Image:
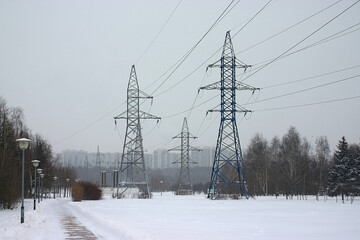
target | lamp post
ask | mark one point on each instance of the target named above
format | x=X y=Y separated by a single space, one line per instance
x=23 y=144
x=162 y=188
x=39 y=170
x=54 y=186
x=42 y=185
x=35 y=164
x=67 y=187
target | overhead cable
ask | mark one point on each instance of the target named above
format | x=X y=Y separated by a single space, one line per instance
x=304 y=90
x=312 y=77
x=204 y=62
x=288 y=28
x=304 y=39
x=308 y=104
x=162 y=28
x=193 y=48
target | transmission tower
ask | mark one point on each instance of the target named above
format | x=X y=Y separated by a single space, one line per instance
x=87 y=167
x=184 y=183
x=132 y=172
x=98 y=164
x=228 y=173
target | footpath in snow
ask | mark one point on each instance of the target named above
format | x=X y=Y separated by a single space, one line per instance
x=187 y=217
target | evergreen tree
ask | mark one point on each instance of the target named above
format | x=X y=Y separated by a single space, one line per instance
x=352 y=176
x=354 y=170
x=337 y=174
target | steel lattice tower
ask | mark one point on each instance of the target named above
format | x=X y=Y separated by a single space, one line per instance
x=132 y=172
x=98 y=164
x=228 y=173
x=184 y=183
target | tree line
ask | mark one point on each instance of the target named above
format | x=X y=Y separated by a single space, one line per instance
x=292 y=167
x=12 y=127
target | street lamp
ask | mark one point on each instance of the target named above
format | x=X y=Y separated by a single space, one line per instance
x=39 y=171
x=42 y=185
x=54 y=186
x=23 y=144
x=162 y=188
x=67 y=187
x=35 y=164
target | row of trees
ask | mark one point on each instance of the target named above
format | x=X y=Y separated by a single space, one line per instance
x=291 y=166
x=12 y=127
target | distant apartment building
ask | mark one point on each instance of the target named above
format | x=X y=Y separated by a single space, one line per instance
x=159 y=159
x=204 y=158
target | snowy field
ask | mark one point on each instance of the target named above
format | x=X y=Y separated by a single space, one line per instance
x=167 y=217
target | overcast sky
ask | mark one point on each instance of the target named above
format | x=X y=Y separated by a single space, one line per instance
x=67 y=64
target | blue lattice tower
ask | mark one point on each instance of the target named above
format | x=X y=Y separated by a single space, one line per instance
x=228 y=173
x=184 y=182
x=132 y=172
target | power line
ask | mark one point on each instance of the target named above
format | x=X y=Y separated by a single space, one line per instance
x=89 y=125
x=307 y=104
x=181 y=61
x=329 y=38
x=304 y=39
x=312 y=77
x=321 y=41
x=204 y=62
x=252 y=18
x=288 y=28
x=162 y=28
x=304 y=90
x=193 y=48
x=263 y=100
x=198 y=105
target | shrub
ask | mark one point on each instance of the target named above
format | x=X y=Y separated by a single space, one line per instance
x=91 y=191
x=77 y=192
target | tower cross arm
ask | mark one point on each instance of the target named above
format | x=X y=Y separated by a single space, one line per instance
x=178 y=148
x=177 y=136
x=192 y=136
x=144 y=95
x=238 y=86
x=238 y=64
x=194 y=149
x=122 y=115
x=244 y=86
x=212 y=86
x=238 y=108
x=145 y=115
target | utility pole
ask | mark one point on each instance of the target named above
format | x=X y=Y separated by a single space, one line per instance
x=228 y=173
x=132 y=172
x=184 y=183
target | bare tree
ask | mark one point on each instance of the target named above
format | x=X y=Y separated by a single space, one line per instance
x=322 y=156
x=291 y=161
x=257 y=159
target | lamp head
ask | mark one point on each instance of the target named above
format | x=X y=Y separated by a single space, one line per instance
x=42 y=175
x=55 y=178
x=23 y=143
x=39 y=170
x=35 y=163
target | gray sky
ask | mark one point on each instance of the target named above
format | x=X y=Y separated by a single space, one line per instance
x=67 y=64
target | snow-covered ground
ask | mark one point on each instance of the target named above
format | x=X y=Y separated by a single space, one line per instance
x=173 y=217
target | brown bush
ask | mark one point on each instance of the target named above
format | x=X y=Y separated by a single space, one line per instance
x=91 y=191
x=86 y=191
x=77 y=192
